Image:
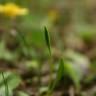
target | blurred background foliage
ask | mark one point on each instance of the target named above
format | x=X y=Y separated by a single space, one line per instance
x=72 y=29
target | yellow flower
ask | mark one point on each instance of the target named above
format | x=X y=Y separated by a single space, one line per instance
x=53 y=15
x=12 y=10
x=1 y=8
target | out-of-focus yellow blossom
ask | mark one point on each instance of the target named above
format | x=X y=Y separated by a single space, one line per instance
x=53 y=15
x=12 y=10
x=1 y=8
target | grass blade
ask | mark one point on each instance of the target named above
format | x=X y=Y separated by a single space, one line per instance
x=47 y=39
x=58 y=77
x=6 y=85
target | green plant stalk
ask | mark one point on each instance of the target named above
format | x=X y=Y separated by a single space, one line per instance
x=47 y=39
x=6 y=85
x=51 y=77
x=51 y=69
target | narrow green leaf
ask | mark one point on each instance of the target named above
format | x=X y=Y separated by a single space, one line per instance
x=59 y=75
x=6 y=85
x=60 y=71
x=47 y=39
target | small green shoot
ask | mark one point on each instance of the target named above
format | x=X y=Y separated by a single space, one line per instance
x=47 y=39
x=59 y=76
x=6 y=85
x=65 y=68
